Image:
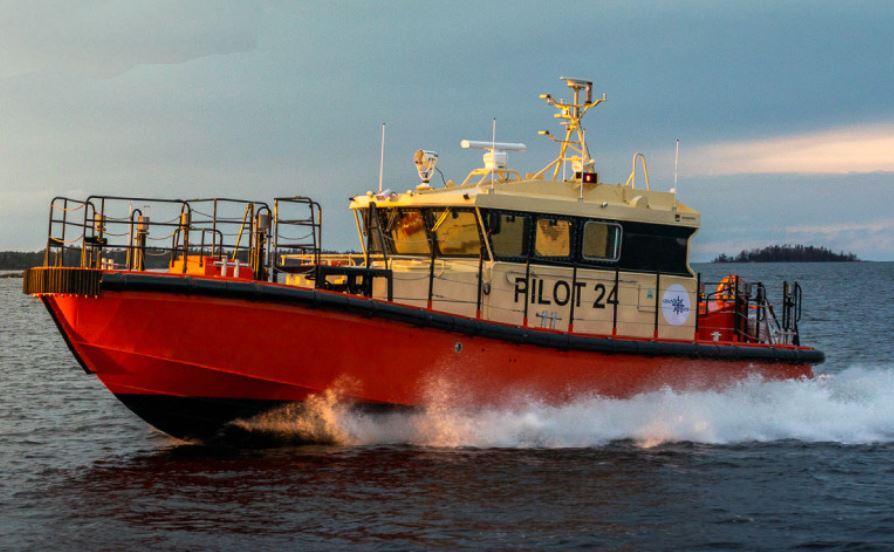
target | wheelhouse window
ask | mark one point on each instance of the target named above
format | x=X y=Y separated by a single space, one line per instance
x=405 y=232
x=552 y=237
x=456 y=232
x=372 y=233
x=655 y=248
x=508 y=234
x=601 y=241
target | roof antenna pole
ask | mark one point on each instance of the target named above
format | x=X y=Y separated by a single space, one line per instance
x=583 y=140
x=382 y=159
x=493 y=149
x=676 y=162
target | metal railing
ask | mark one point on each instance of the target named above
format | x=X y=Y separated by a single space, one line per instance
x=239 y=232
x=754 y=318
x=113 y=233
x=137 y=234
x=296 y=214
x=61 y=243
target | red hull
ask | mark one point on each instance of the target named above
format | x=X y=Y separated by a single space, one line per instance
x=175 y=345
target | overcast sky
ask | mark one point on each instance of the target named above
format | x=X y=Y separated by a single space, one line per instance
x=785 y=110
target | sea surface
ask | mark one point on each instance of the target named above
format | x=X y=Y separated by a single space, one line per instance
x=762 y=465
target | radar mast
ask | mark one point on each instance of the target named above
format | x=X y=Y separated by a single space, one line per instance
x=575 y=135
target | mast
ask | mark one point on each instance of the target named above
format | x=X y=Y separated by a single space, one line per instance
x=382 y=159
x=575 y=138
x=676 y=160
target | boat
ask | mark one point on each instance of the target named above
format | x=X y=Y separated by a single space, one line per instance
x=552 y=284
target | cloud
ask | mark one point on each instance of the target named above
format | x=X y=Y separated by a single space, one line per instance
x=706 y=250
x=843 y=212
x=873 y=238
x=857 y=148
x=841 y=228
x=869 y=241
x=104 y=39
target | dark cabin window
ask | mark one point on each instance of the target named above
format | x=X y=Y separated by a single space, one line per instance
x=552 y=237
x=601 y=241
x=508 y=234
x=634 y=246
x=655 y=248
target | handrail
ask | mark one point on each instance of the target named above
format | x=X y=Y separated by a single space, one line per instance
x=112 y=230
x=247 y=215
x=311 y=242
x=631 y=180
x=92 y=256
x=753 y=312
x=60 y=243
x=246 y=221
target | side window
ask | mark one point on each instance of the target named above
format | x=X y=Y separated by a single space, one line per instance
x=405 y=229
x=375 y=245
x=553 y=237
x=457 y=232
x=654 y=247
x=508 y=236
x=601 y=241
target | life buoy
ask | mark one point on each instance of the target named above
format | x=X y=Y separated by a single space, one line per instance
x=724 y=289
x=724 y=293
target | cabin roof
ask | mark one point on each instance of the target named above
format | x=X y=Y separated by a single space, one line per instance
x=538 y=195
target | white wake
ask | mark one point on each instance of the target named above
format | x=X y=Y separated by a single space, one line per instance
x=854 y=406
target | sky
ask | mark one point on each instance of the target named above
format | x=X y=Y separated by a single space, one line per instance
x=784 y=110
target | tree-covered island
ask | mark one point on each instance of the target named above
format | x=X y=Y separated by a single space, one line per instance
x=788 y=253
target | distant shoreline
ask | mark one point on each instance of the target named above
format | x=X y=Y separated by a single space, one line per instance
x=20 y=260
x=788 y=253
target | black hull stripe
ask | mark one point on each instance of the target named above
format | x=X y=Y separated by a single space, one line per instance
x=254 y=291
x=208 y=419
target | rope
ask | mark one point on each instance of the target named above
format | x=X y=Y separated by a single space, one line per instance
x=169 y=236
x=294 y=238
x=68 y=242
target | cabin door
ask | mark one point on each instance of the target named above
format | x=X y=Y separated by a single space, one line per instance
x=536 y=296
x=550 y=293
x=503 y=293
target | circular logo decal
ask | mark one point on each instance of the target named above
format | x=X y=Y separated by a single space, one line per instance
x=675 y=305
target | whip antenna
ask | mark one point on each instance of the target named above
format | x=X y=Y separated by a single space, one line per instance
x=493 y=147
x=382 y=159
x=676 y=161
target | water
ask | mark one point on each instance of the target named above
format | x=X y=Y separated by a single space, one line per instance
x=761 y=465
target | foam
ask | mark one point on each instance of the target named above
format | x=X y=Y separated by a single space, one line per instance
x=854 y=406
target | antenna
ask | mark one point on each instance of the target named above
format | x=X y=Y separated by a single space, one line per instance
x=493 y=146
x=580 y=191
x=676 y=161
x=382 y=159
